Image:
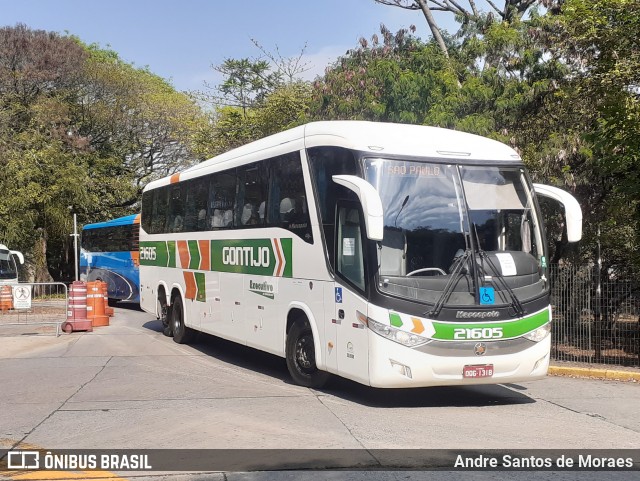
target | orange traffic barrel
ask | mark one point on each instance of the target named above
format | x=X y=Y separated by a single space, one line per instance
x=95 y=304
x=108 y=310
x=6 y=298
x=77 y=309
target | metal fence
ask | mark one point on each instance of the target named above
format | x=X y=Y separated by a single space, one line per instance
x=596 y=315
x=36 y=308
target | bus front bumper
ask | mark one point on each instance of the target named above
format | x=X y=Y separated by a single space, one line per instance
x=392 y=365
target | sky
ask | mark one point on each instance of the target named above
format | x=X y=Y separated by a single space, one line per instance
x=180 y=40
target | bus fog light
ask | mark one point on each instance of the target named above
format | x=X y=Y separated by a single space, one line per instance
x=401 y=368
x=539 y=334
x=542 y=361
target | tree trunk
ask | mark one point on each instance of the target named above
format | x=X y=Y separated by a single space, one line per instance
x=40 y=268
x=435 y=31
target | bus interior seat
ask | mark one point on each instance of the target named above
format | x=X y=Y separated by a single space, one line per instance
x=216 y=219
x=177 y=224
x=202 y=219
x=287 y=209
x=227 y=218
x=248 y=214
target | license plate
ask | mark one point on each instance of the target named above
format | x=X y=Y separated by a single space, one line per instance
x=478 y=371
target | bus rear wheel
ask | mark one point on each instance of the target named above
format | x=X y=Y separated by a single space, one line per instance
x=301 y=356
x=181 y=333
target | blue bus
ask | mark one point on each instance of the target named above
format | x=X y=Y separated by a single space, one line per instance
x=109 y=253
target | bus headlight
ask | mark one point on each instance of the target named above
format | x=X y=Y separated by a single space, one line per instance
x=405 y=338
x=539 y=334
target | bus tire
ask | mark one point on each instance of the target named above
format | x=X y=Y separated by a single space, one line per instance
x=301 y=358
x=164 y=314
x=181 y=333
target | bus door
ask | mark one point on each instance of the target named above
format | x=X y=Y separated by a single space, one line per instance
x=350 y=287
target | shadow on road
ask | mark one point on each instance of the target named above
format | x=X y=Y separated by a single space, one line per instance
x=275 y=367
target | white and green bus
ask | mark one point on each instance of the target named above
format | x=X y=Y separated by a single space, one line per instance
x=392 y=255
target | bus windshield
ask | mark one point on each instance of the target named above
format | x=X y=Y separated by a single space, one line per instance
x=435 y=214
x=7 y=265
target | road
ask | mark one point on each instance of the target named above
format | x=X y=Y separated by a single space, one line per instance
x=127 y=386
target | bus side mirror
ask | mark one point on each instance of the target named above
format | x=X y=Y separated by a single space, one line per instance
x=18 y=255
x=572 y=210
x=370 y=201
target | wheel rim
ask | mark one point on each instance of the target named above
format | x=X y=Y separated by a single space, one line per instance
x=305 y=354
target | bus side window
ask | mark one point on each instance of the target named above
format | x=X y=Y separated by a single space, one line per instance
x=287 y=206
x=160 y=207
x=147 y=210
x=222 y=195
x=350 y=258
x=196 y=205
x=252 y=192
x=175 y=221
x=325 y=162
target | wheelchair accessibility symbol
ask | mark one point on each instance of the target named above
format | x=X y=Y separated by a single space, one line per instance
x=338 y=295
x=487 y=295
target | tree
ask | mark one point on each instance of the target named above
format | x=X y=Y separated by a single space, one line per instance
x=603 y=91
x=256 y=98
x=80 y=128
x=511 y=10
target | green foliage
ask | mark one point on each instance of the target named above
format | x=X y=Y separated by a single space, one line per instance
x=561 y=87
x=255 y=99
x=80 y=131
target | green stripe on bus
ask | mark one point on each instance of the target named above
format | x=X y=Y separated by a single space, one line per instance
x=395 y=319
x=263 y=257
x=158 y=253
x=171 y=248
x=287 y=248
x=201 y=286
x=510 y=329
x=194 y=252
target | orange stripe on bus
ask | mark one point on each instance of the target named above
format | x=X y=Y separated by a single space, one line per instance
x=135 y=257
x=418 y=327
x=190 y=282
x=136 y=219
x=279 y=253
x=205 y=255
x=183 y=252
x=175 y=178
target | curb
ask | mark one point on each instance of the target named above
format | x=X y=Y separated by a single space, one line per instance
x=594 y=373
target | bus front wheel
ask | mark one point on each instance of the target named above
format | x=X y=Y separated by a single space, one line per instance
x=181 y=333
x=301 y=356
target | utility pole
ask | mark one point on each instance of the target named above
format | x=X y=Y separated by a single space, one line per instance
x=75 y=245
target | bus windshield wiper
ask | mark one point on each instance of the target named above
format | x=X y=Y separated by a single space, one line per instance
x=448 y=289
x=515 y=302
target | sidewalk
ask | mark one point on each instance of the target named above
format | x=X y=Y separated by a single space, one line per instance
x=595 y=371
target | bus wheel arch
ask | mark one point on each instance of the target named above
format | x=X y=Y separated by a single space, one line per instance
x=302 y=350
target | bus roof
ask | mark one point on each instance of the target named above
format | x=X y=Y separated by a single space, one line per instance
x=376 y=137
x=126 y=220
